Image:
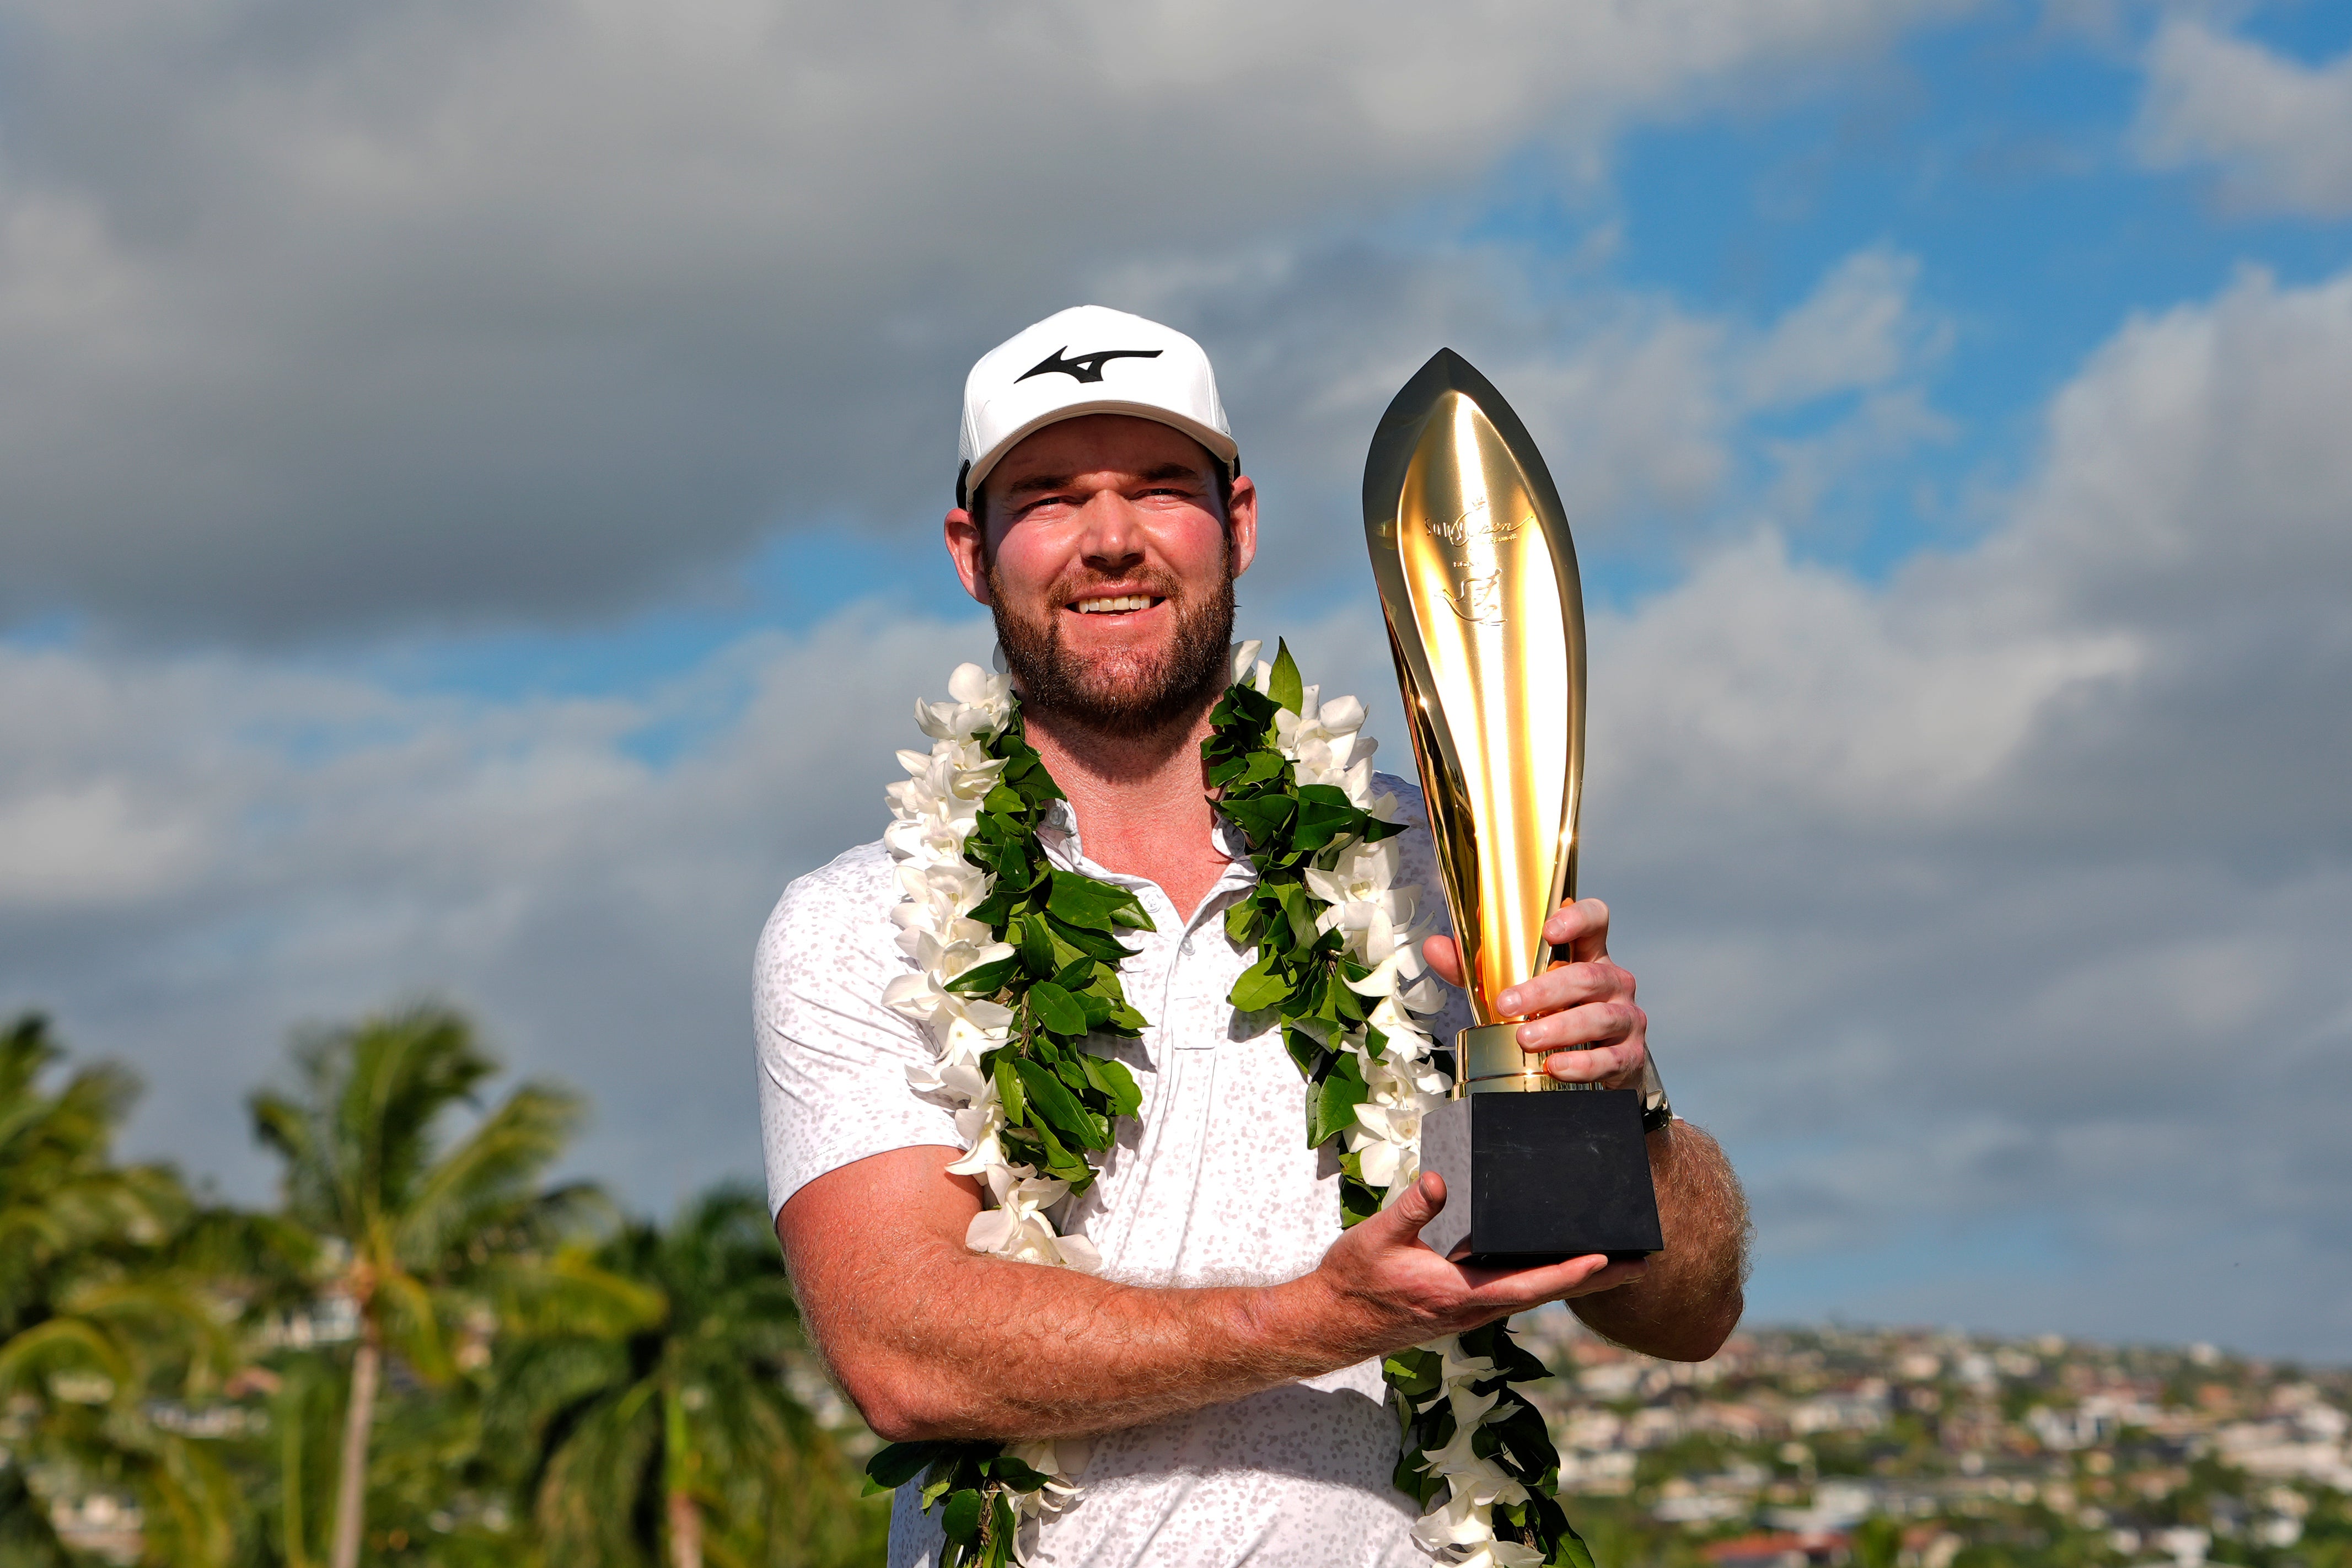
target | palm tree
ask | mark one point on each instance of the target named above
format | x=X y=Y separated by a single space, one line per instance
x=97 y=1319
x=686 y=1442
x=431 y=1237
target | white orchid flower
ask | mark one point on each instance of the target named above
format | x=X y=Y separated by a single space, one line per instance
x=1386 y=1138
x=1406 y=1035
x=1404 y=1079
x=979 y=1122
x=1059 y=1460
x=1386 y=1142
x=957 y=887
x=1380 y=981
x=1360 y=897
x=1387 y=1146
x=923 y=994
x=979 y=702
x=1322 y=740
x=964 y=1031
x=1341 y=716
x=1467 y=1517
x=1398 y=1012
x=934 y=815
x=974 y=1027
x=1078 y=1254
x=1456 y=1365
x=949 y=960
x=937 y=899
x=1245 y=659
x=1018 y=1226
x=989 y=690
x=1408 y=1041
x=1376 y=930
x=1362 y=871
x=1458 y=1456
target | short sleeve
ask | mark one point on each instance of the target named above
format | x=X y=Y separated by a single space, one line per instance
x=833 y=1060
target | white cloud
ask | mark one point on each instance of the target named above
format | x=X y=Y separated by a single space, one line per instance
x=316 y=317
x=1858 y=330
x=1646 y=407
x=90 y=845
x=2002 y=897
x=301 y=847
x=2278 y=131
x=2008 y=898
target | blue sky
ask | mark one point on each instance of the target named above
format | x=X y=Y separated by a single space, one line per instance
x=468 y=526
x=1994 y=150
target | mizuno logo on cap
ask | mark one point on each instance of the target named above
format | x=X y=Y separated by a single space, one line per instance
x=1086 y=367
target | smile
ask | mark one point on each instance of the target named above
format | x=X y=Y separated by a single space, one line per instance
x=1113 y=607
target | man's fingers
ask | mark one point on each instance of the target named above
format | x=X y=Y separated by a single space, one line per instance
x=1440 y=953
x=1517 y=1289
x=1416 y=1208
x=1582 y=927
x=1595 y=1063
x=1568 y=985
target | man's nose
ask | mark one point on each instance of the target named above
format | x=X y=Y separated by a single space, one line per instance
x=1112 y=537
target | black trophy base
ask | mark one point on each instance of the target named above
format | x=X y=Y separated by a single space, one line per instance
x=1535 y=1178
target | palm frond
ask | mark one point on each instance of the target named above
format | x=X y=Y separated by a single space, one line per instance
x=487 y=1179
x=410 y=1320
x=31 y=1362
x=568 y=1295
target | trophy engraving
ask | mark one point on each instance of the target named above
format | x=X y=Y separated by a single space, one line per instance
x=1486 y=618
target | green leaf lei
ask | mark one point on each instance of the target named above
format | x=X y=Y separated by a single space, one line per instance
x=1061 y=1100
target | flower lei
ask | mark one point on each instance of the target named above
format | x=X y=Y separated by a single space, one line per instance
x=1017 y=970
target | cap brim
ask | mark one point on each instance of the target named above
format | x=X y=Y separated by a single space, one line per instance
x=1221 y=446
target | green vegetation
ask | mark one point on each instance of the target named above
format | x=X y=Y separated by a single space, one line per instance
x=425 y=1353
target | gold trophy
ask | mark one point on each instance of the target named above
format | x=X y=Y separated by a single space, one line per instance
x=1486 y=618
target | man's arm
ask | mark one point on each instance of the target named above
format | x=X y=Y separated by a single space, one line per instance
x=1689 y=1302
x=932 y=1340
x=1582 y=1016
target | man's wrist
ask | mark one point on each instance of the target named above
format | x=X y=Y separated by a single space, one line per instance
x=1289 y=1328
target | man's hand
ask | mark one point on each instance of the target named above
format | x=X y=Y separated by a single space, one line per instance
x=1582 y=1018
x=932 y=1340
x=1383 y=1287
x=1581 y=1015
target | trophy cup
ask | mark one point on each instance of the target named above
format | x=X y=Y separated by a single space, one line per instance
x=1486 y=618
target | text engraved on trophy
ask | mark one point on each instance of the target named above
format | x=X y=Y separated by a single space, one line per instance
x=1477 y=523
x=1480 y=600
x=1475 y=539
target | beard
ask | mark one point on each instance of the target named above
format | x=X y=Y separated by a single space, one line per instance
x=1130 y=690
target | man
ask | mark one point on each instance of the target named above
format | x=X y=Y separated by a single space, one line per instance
x=1226 y=1360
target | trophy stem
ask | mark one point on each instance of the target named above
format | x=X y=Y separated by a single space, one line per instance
x=1488 y=1060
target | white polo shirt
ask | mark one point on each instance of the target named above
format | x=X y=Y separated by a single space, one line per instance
x=1212 y=1183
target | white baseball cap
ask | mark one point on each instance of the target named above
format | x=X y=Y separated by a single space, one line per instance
x=1087 y=359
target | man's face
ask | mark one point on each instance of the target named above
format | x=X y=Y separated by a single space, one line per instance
x=1108 y=564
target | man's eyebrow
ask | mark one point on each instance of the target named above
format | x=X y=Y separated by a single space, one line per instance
x=1038 y=484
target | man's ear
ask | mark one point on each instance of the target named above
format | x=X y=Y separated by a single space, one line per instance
x=1241 y=522
x=968 y=548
